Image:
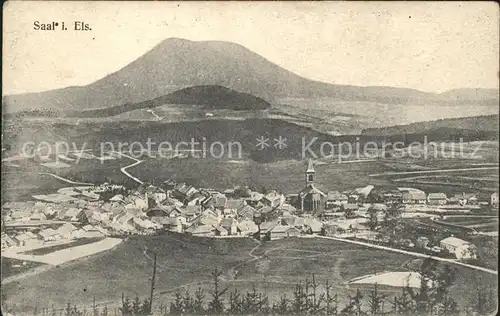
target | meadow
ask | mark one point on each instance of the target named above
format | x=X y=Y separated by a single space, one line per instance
x=186 y=262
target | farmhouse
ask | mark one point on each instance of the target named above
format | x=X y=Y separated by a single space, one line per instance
x=436 y=198
x=461 y=248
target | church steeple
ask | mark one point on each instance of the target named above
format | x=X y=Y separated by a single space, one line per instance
x=310 y=173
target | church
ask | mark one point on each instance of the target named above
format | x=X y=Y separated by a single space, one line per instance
x=311 y=199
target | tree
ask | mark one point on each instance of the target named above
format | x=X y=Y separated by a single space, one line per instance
x=282 y=306
x=376 y=301
x=372 y=218
x=105 y=311
x=331 y=301
x=235 y=304
x=299 y=300
x=314 y=300
x=187 y=303
x=354 y=305
x=199 y=301
x=68 y=311
x=176 y=307
x=126 y=308
x=146 y=307
x=215 y=306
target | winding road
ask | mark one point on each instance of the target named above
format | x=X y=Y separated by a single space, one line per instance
x=415 y=254
x=124 y=169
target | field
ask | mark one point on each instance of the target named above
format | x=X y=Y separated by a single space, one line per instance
x=186 y=263
x=47 y=250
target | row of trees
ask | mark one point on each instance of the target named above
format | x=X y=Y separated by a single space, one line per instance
x=309 y=297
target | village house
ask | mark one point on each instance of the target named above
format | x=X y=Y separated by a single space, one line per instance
x=183 y=191
x=20 y=216
x=7 y=241
x=125 y=222
x=88 y=231
x=207 y=218
x=72 y=214
x=349 y=209
x=48 y=234
x=464 y=199
x=283 y=231
x=335 y=198
x=220 y=231
x=360 y=195
x=437 y=199
x=144 y=225
x=268 y=213
x=230 y=225
x=273 y=199
x=254 y=199
x=414 y=196
x=233 y=205
x=247 y=228
x=66 y=231
x=292 y=220
x=265 y=228
x=168 y=185
x=201 y=230
x=462 y=249
x=392 y=196
x=162 y=211
x=216 y=201
x=26 y=239
x=494 y=199
x=312 y=226
x=246 y=212
x=422 y=242
x=175 y=225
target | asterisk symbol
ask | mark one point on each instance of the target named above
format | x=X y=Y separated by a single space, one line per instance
x=262 y=142
x=280 y=142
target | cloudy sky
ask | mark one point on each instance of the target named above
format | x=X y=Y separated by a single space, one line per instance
x=428 y=46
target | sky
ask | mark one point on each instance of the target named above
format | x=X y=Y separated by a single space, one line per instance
x=430 y=46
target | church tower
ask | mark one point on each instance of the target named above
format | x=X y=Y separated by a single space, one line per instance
x=310 y=173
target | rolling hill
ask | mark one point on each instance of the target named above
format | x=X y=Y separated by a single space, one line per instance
x=480 y=124
x=177 y=63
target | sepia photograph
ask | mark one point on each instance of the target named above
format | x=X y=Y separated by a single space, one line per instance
x=250 y=158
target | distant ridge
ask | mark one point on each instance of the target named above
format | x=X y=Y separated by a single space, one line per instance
x=176 y=63
x=483 y=123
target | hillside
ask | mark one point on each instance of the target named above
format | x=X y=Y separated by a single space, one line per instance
x=208 y=97
x=210 y=131
x=177 y=63
x=480 y=124
x=185 y=263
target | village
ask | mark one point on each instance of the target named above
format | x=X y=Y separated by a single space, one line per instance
x=80 y=214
